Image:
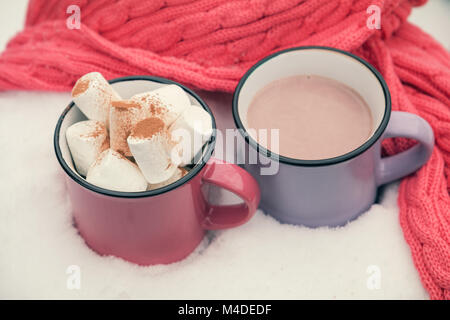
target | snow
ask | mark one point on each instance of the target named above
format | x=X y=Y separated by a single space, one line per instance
x=262 y=259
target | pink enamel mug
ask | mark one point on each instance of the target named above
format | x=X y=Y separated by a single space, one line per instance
x=158 y=226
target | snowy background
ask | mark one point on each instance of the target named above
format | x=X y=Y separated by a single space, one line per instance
x=262 y=259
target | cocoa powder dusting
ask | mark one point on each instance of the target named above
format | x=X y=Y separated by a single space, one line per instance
x=100 y=157
x=183 y=172
x=124 y=114
x=80 y=87
x=153 y=104
x=105 y=144
x=123 y=105
x=148 y=127
x=156 y=107
x=100 y=129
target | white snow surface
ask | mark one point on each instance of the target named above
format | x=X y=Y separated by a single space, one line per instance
x=261 y=259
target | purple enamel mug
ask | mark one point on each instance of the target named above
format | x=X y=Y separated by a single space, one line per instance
x=328 y=192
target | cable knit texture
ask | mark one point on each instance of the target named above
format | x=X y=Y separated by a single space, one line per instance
x=209 y=44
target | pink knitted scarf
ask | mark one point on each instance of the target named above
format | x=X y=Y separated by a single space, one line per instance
x=209 y=44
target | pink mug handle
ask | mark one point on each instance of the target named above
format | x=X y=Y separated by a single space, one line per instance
x=235 y=179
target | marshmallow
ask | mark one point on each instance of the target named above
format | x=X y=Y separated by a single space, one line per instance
x=179 y=173
x=189 y=133
x=86 y=140
x=124 y=114
x=167 y=102
x=93 y=94
x=113 y=171
x=149 y=143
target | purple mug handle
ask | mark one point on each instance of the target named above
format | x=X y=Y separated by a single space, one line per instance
x=407 y=125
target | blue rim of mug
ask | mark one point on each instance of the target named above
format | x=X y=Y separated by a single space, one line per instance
x=120 y=194
x=322 y=162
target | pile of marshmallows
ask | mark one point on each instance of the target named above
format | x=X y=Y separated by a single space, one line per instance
x=159 y=130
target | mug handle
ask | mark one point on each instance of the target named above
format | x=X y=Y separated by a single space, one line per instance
x=407 y=125
x=235 y=179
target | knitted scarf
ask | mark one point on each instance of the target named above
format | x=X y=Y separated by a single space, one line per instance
x=209 y=44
